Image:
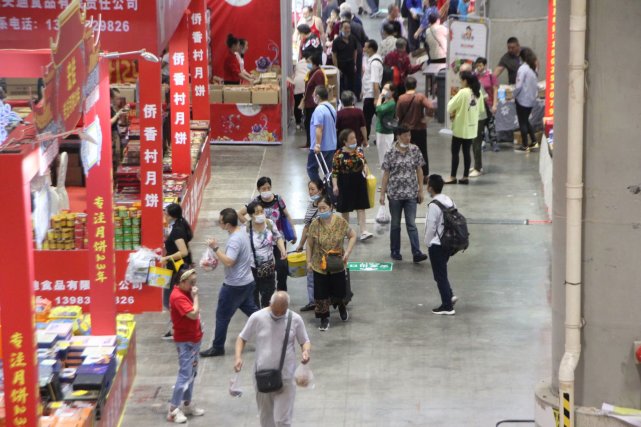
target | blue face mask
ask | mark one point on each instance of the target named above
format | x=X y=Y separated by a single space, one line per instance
x=314 y=197
x=325 y=215
x=309 y=66
x=353 y=146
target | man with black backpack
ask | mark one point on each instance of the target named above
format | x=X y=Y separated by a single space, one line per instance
x=435 y=239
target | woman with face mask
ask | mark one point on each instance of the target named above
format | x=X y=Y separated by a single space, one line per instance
x=349 y=181
x=316 y=190
x=327 y=258
x=264 y=237
x=276 y=210
x=315 y=77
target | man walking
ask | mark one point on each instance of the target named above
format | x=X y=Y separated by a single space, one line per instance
x=371 y=82
x=268 y=327
x=237 y=291
x=185 y=316
x=438 y=255
x=345 y=49
x=403 y=184
x=323 y=133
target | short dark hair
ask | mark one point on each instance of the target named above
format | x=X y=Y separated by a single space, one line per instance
x=316 y=59
x=372 y=44
x=345 y=21
x=113 y=92
x=436 y=182
x=432 y=18
x=229 y=216
x=321 y=92
x=347 y=16
x=388 y=29
x=348 y=98
x=400 y=129
x=242 y=42
x=251 y=208
x=304 y=29
x=512 y=40
x=325 y=199
x=410 y=83
x=231 y=40
x=343 y=136
x=263 y=180
x=319 y=184
x=480 y=60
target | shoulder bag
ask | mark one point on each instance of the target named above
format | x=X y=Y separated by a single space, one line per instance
x=265 y=269
x=287 y=227
x=269 y=380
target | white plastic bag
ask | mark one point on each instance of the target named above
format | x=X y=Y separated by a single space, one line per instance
x=383 y=215
x=208 y=261
x=138 y=265
x=234 y=386
x=304 y=377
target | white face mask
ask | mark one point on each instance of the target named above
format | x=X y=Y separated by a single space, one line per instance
x=265 y=195
x=271 y=313
x=314 y=197
x=352 y=146
x=403 y=145
x=260 y=219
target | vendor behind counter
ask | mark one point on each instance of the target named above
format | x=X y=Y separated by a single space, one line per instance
x=233 y=72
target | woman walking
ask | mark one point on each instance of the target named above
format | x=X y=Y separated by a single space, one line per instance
x=349 y=181
x=350 y=117
x=464 y=109
x=525 y=96
x=326 y=258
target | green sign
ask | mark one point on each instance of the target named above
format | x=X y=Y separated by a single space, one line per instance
x=370 y=266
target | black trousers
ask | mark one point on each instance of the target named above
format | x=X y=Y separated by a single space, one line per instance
x=438 y=259
x=412 y=26
x=369 y=110
x=298 y=113
x=466 y=144
x=308 y=123
x=264 y=289
x=348 y=76
x=419 y=138
x=281 y=270
x=523 y=114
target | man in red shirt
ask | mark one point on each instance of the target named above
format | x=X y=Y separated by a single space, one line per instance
x=185 y=316
x=400 y=59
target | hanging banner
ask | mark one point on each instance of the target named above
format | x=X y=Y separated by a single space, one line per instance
x=180 y=100
x=151 y=154
x=551 y=60
x=199 y=60
x=246 y=124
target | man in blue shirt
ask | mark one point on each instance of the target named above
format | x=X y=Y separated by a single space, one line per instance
x=322 y=132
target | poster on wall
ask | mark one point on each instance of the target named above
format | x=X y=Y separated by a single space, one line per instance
x=246 y=124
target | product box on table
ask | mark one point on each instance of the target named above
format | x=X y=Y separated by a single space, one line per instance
x=237 y=94
x=216 y=94
x=265 y=96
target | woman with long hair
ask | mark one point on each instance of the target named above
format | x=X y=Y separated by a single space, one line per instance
x=464 y=109
x=526 y=93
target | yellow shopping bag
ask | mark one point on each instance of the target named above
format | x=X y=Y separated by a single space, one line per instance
x=159 y=277
x=371 y=190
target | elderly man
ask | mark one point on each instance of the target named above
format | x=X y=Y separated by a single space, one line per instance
x=185 y=316
x=268 y=327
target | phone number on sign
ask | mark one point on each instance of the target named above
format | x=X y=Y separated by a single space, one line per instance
x=82 y=300
x=109 y=26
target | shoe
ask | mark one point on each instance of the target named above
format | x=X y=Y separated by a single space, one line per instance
x=419 y=258
x=192 y=411
x=360 y=10
x=309 y=307
x=534 y=146
x=169 y=336
x=454 y=299
x=464 y=181
x=451 y=181
x=365 y=236
x=396 y=256
x=343 y=313
x=176 y=416
x=476 y=173
x=442 y=310
x=324 y=325
x=212 y=352
x=521 y=149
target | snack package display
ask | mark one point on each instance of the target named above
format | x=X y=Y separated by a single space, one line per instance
x=208 y=261
x=234 y=386
x=304 y=377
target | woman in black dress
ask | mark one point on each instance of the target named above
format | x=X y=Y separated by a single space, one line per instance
x=349 y=180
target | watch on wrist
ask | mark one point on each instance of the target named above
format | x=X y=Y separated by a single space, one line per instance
x=215 y=248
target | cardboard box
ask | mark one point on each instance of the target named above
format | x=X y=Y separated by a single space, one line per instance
x=237 y=95
x=22 y=87
x=215 y=94
x=264 y=97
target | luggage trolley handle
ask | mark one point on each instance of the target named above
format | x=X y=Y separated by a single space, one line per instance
x=322 y=164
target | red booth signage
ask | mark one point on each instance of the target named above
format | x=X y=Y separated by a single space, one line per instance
x=199 y=60
x=180 y=100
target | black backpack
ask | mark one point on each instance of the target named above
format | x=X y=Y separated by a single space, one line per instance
x=388 y=74
x=455 y=236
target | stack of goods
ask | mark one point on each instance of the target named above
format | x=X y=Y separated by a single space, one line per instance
x=67 y=232
x=131 y=155
x=332 y=82
x=174 y=187
x=127 y=227
x=198 y=138
x=128 y=179
x=237 y=94
x=266 y=93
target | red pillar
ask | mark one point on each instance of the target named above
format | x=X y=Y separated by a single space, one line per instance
x=199 y=60
x=180 y=99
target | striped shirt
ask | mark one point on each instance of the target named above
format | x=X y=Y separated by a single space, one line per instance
x=311 y=213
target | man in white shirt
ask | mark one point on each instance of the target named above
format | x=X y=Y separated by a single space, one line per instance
x=371 y=82
x=438 y=255
x=267 y=329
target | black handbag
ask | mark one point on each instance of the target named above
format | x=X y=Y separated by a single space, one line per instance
x=269 y=380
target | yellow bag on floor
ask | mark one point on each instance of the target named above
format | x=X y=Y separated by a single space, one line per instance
x=297 y=262
x=371 y=190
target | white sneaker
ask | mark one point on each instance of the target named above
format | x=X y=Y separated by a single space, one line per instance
x=192 y=411
x=176 y=416
x=476 y=173
x=366 y=235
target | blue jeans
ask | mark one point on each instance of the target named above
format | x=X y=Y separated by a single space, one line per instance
x=438 y=259
x=397 y=207
x=230 y=299
x=312 y=164
x=373 y=5
x=310 y=286
x=188 y=368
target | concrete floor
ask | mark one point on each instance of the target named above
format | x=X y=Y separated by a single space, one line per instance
x=394 y=363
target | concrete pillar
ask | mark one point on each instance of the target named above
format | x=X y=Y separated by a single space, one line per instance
x=612 y=206
x=524 y=19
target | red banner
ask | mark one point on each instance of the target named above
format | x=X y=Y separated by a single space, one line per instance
x=551 y=60
x=180 y=100
x=246 y=124
x=199 y=60
x=151 y=154
x=100 y=225
x=16 y=296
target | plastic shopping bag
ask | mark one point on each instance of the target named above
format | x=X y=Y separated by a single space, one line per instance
x=208 y=261
x=383 y=216
x=234 y=386
x=138 y=265
x=304 y=377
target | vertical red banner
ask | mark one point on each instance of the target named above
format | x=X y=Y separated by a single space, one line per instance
x=16 y=296
x=551 y=60
x=180 y=99
x=151 y=154
x=199 y=60
x=100 y=225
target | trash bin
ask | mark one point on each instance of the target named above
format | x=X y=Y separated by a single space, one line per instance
x=440 y=93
